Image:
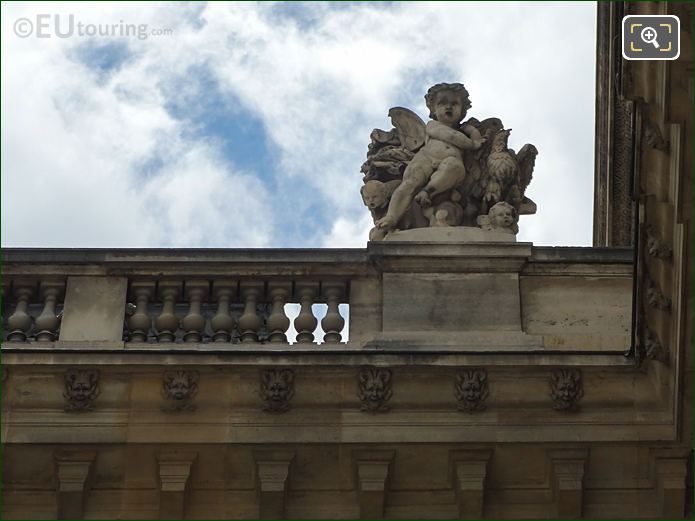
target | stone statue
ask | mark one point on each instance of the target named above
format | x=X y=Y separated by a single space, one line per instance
x=448 y=172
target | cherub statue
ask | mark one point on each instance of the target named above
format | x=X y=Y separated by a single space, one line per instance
x=502 y=217
x=448 y=172
x=439 y=165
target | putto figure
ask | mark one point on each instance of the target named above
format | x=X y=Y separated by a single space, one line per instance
x=501 y=218
x=438 y=165
x=447 y=172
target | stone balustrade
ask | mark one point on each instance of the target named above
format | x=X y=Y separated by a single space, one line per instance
x=37 y=310
x=233 y=311
x=484 y=297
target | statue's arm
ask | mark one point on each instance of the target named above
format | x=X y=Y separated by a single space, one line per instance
x=436 y=130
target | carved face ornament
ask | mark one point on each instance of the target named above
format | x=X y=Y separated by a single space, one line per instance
x=374 y=194
x=566 y=389
x=81 y=387
x=375 y=389
x=277 y=388
x=180 y=388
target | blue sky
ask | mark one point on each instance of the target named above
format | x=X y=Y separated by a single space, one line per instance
x=246 y=124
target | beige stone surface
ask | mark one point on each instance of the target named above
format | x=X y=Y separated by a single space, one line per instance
x=448 y=302
x=450 y=234
x=94 y=309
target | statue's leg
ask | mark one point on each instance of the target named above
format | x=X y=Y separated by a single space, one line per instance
x=414 y=177
x=450 y=174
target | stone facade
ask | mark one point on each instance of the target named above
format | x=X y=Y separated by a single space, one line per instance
x=474 y=379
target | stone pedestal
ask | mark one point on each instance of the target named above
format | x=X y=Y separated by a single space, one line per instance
x=445 y=295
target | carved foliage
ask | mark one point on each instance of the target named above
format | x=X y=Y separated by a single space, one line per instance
x=655 y=297
x=566 y=389
x=655 y=246
x=653 y=347
x=471 y=390
x=374 y=389
x=179 y=388
x=653 y=136
x=81 y=388
x=277 y=389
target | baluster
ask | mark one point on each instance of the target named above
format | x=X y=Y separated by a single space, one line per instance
x=223 y=323
x=250 y=323
x=167 y=323
x=140 y=323
x=306 y=322
x=47 y=322
x=19 y=322
x=333 y=322
x=194 y=322
x=277 y=322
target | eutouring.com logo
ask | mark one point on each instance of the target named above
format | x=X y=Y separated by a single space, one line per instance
x=67 y=26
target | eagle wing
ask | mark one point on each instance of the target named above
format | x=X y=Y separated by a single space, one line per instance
x=527 y=160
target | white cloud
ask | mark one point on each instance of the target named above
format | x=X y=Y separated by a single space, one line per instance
x=74 y=142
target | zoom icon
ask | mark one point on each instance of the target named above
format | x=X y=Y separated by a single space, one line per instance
x=651 y=37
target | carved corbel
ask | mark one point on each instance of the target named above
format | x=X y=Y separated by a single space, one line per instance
x=567 y=473
x=669 y=470
x=372 y=481
x=272 y=470
x=174 y=472
x=469 y=471
x=73 y=472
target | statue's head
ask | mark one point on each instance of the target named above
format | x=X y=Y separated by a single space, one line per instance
x=502 y=215
x=374 y=194
x=448 y=102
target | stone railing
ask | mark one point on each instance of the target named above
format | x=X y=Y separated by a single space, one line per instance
x=470 y=297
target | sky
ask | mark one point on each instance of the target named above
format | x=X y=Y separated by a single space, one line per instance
x=244 y=125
